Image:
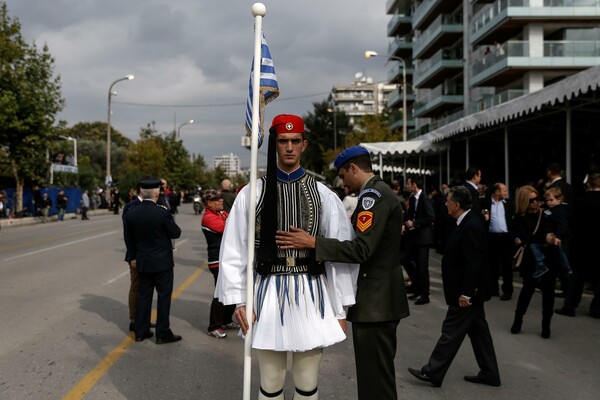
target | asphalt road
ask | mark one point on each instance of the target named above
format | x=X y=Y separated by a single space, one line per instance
x=63 y=302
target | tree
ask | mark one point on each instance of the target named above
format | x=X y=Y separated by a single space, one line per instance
x=30 y=99
x=371 y=128
x=163 y=155
x=319 y=127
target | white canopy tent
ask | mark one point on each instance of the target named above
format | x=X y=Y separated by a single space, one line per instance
x=392 y=150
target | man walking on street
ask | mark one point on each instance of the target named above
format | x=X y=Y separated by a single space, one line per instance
x=465 y=277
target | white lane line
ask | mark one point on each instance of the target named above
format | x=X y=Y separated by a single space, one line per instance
x=59 y=246
x=113 y=280
x=116 y=278
x=180 y=242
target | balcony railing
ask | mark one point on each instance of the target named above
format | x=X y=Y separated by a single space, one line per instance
x=425 y=36
x=442 y=54
x=422 y=10
x=397 y=19
x=485 y=59
x=399 y=42
x=354 y=96
x=484 y=16
x=427 y=96
x=569 y=48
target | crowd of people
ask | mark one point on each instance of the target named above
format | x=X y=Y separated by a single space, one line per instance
x=326 y=256
x=359 y=253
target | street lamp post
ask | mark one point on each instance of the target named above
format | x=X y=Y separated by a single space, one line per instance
x=369 y=54
x=72 y=139
x=110 y=94
x=191 y=121
x=334 y=111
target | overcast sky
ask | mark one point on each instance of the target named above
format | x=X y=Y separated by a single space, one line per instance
x=191 y=59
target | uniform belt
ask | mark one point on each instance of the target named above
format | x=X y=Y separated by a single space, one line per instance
x=290 y=265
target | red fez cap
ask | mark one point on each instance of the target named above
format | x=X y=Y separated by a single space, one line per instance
x=287 y=123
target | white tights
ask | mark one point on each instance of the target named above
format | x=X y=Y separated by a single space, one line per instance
x=305 y=370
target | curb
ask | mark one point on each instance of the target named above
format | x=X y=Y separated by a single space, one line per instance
x=14 y=222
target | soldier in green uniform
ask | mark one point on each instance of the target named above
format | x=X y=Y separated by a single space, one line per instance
x=381 y=297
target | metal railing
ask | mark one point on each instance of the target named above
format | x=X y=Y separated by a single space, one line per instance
x=486 y=57
x=443 y=54
x=444 y=19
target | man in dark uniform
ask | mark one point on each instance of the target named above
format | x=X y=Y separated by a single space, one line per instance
x=134 y=281
x=465 y=274
x=149 y=230
x=381 y=297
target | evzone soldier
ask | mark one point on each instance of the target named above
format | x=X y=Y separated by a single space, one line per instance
x=298 y=302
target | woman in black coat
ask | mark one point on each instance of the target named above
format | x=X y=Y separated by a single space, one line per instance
x=528 y=215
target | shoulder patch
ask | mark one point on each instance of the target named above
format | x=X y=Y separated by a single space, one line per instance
x=370 y=190
x=367 y=202
x=163 y=206
x=364 y=220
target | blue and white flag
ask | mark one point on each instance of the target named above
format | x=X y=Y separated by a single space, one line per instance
x=269 y=90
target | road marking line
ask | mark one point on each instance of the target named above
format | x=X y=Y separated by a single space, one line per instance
x=116 y=278
x=180 y=242
x=59 y=246
x=89 y=381
x=53 y=238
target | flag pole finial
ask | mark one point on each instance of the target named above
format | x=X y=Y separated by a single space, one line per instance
x=259 y=9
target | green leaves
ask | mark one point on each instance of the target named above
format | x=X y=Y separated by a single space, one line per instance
x=30 y=99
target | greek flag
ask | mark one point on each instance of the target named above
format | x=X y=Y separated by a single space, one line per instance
x=269 y=90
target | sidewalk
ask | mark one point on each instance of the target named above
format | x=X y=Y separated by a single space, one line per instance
x=14 y=222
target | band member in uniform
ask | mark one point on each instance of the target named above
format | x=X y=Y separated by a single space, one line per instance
x=381 y=297
x=150 y=229
x=298 y=302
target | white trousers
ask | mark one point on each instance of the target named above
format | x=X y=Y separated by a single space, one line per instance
x=305 y=371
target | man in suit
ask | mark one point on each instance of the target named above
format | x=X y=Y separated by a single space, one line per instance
x=555 y=179
x=418 y=231
x=149 y=230
x=465 y=276
x=498 y=215
x=381 y=297
x=473 y=178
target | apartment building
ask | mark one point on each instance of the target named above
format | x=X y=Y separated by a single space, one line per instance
x=361 y=97
x=230 y=163
x=465 y=56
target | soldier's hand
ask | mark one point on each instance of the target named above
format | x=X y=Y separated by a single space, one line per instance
x=133 y=264
x=296 y=238
x=343 y=324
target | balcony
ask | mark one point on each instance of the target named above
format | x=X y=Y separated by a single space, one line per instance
x=428 y=10
x=399 y=25
x=432 y=71
x=508 y=61
x=396 y=120
x=401 y=47
x=438 y=101
x=444 y=31
x=395 y=98
x=395 y=73
x=505 y=19
x=390 y=6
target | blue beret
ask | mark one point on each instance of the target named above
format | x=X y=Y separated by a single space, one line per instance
x=150 y=183
x=349 y=154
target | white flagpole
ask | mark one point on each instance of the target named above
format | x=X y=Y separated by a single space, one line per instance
x=258 y=11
